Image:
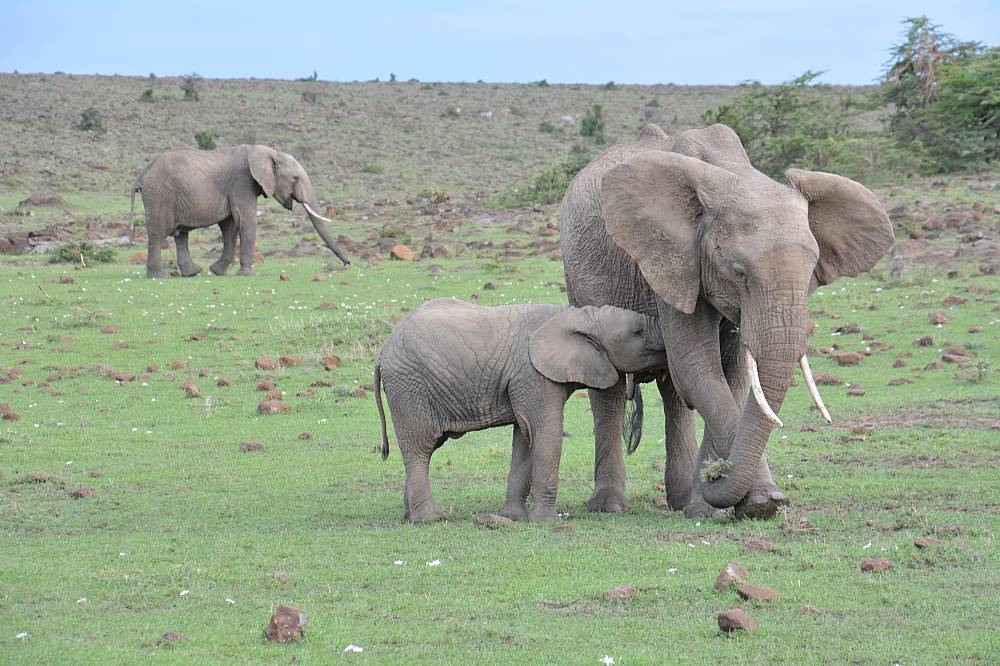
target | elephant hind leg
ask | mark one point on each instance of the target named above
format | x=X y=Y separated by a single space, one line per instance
x=608 y=407
x=184 y=262
x=228 y=228
x=418 y=502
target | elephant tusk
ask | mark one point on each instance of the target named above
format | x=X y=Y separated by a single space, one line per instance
x=314 y=213
x=813 y=389
x=758 y=392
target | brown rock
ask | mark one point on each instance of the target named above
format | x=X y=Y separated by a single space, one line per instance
x=265 y=386
x=288 y=361
x=976 y=329
x=274 y=394
x=251 y=447
x=172 y=636
x=619 y=593
x=856 y=392
x=926 y=542
x=273 y=407
x=899 y=363
x=493 y=521
x=66 y=279
x=659 y=486
x=81 y=492
x=899 y=381
x=870 y=564
x=223 y=382
x=203 y=372
x=286 y=624
x=754 y=593
x=6 y=413
x=952 y=301
x=282 y=577
x=847 y=358
x=152 y=367
x=926 y=341
x=283 y=277
x=191 y=388
x=734 y=572
x=109 y=329
x=490 y=286
x=319 y=277
x=827 y=378
x=358 y=393
x=562 y=527
x=736 y=619
x=177 y=365
x=331 y=362
x=937 y=318
x=305 y=436
x=954 y=358
x=267 y=364
x=759 y=545
x=402 y=253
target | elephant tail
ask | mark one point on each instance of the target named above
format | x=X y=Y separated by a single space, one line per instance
x=632 y=417
x=381 y=410
x=137 y=187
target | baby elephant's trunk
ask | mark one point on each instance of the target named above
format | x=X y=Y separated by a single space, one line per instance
x=381 y=410
x=632 y=416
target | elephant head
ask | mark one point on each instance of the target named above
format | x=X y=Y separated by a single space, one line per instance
x=727 y=241
x=591 y=346
x=280 y=176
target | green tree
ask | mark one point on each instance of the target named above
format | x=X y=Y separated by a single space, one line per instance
x=592 y=124
x=205 y=139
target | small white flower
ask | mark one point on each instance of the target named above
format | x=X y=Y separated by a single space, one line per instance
x=69 y=462
x=353 y=648
x=398 y=563
x=23 y=634
x=608 y=660
x=434 y=563
x=866 y=546
x=81 y=600
x=231 y=601
x=707 y=543
x=184 y=593
x=672 y=570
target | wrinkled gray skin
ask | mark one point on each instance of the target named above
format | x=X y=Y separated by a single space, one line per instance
x=685 y=228
x=188 y=189
x=450 y=367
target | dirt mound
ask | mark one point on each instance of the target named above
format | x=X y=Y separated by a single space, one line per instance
x=43 y=199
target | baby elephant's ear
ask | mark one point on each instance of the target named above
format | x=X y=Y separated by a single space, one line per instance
x=566 y=349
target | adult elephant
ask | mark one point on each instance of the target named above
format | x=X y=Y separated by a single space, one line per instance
x=188 y=189
x=684 y=227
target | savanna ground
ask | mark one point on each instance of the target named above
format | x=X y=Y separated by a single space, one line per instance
x=182 y=531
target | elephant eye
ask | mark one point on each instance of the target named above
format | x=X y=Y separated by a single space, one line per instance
x=739 y=273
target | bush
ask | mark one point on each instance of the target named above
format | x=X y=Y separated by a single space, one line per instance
x=592 y=124
x=90 y=121
x=549 y=186
x=146 y=96
x=549 y=128
x=190 y=85
x=540 y=84
x=205 y=139
x=81 y=253
x=610 y=85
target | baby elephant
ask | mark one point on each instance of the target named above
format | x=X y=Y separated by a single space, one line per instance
x=450 y=367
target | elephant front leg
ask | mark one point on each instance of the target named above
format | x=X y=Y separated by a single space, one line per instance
x=608 y=406
x=546 y=449
x=519 y=478
x=184 y=262
x=228 y=228
x=247 y=224
x=681 y=446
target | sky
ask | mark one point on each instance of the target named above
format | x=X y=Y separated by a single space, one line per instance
x=561 y=41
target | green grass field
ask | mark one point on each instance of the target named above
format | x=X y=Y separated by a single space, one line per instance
x=184 y=532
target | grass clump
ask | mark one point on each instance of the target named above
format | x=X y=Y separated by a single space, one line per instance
x=90 y=121
x=191 y=84
x=716 y=469
x=592 y=124
x=81 y=253
x=147 y=96
x=205 y=140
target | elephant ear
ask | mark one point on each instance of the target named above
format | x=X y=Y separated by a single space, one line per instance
x=651 y=205
x=851 y=227
x=261 y=160
x=566 y=349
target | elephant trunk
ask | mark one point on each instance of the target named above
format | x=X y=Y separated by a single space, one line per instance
x=307 y=198
x=773 y=345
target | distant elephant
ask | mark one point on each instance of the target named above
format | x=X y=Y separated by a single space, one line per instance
x=685 y=228
x=449 y=368
x=188 y=189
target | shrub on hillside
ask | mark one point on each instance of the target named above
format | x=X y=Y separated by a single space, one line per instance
x=146 y=96
x=190 y=84
x=90 y=121
x=81 y=253
x=592 y=124
x=205 y=139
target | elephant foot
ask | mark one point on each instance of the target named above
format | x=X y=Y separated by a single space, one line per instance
x=218 y=268
x=761 y=503
x=426 y=513
x=542 y=514
x=246 y=270
x=607 y=500
x=514 y=511
x=190 y=271
x=699 y=508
